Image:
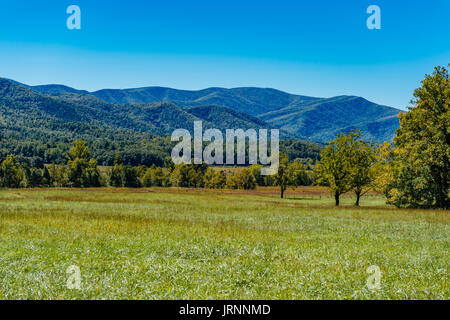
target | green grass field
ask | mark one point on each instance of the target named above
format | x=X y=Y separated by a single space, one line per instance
x=197 y=244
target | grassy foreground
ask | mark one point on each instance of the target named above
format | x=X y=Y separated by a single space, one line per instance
x=180 y=244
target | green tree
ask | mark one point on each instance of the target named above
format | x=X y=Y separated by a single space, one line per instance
x=10 y=172
x=188 y=175
x=154 y=177
x=245 y=179
x=35 y=178
x=232 y=181
x=79 y=150
x=195 y=176
x=255 y=169
x=219 y=179
x=141 y=170
x=282 y=176
x=335 y=169
x=179 y=176
x=58 y=175
x=25 y=173
x=168 y=164
x=297 y=175
x=383 y=169
x=47 y=180
x=209 y=178
x=93 y=176
x=131 y=178
x=116 y=177
x=82 y=170
x=421 y=170
x=363 y=159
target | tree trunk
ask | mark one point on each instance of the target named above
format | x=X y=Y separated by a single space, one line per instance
x=282 y=192
x=358 y=196
x=336 y=198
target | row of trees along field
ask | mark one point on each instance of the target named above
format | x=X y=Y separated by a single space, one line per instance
x=413 y=171
x=81 y=171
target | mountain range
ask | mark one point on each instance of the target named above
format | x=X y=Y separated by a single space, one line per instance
x=160 y=110
x=302 y=117
x=38 y=125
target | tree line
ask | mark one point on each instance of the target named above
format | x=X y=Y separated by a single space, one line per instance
x=82 y=171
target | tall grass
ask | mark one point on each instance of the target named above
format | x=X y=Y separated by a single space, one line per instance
x=180 y=244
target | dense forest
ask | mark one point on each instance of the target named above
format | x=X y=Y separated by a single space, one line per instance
x=39 y=129
x=135 y=149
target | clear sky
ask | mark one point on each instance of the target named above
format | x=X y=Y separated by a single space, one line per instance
x=318 y=48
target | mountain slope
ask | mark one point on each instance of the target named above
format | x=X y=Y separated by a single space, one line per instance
x=324 y=119
x=160 y=118
x=226 y=118
x=39 y=128
x=314 y=119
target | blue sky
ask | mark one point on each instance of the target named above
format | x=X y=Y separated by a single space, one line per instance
x=318 y=48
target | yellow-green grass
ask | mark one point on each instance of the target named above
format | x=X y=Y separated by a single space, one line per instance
x=196 y=244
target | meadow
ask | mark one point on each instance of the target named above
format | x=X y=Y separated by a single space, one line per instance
x=203 y=244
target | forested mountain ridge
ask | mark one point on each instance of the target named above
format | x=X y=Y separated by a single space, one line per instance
x=159 y=118
x=39 y=127
x=309 y=118
x=378 y=123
